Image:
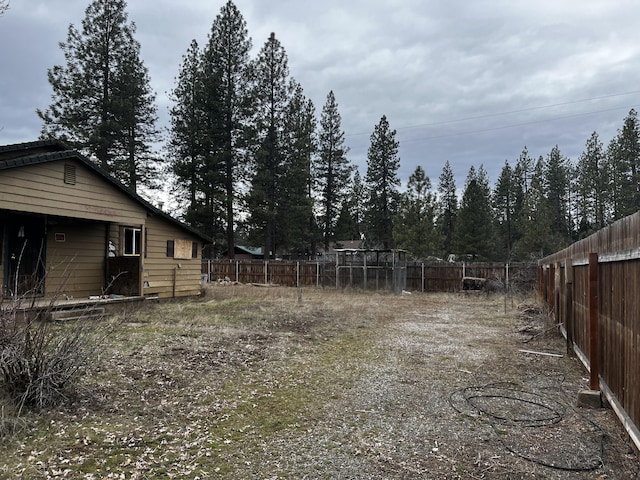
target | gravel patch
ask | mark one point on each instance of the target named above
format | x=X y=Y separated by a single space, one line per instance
x=267 y=383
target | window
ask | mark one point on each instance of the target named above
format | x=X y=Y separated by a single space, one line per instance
x=182 y=249
x=132 y=241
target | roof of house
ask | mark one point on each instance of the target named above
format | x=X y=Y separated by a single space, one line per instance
x=257 y=251
x=43 y=151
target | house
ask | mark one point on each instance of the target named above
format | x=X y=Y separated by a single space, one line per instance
x=241 y=252
x=349 y=244
x=67 y=228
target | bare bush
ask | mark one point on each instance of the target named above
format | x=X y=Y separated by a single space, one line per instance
x=41 y=359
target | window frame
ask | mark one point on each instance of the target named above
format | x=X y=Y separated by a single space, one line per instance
x=131 y=242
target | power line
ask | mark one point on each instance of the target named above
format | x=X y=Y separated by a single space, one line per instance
x=532 y=122
x=509 y=112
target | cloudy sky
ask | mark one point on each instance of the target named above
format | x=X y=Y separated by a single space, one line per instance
x=472 y=82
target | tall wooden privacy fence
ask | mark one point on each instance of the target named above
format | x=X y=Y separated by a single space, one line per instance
x=592 y=289
x=418 y=277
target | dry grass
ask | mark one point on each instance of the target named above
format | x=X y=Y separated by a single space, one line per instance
x=260 y=383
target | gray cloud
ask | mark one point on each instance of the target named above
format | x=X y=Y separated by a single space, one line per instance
x=460 y=81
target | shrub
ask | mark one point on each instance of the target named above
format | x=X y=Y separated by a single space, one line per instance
x=39 y=359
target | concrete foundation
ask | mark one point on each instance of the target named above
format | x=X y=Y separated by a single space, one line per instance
x=590 y=399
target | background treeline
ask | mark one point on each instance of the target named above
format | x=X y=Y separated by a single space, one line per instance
x=251 y=162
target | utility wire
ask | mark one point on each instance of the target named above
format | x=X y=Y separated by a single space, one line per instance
x=502 y=127
x=510 y=112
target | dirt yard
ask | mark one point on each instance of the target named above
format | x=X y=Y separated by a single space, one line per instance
x=275 y=383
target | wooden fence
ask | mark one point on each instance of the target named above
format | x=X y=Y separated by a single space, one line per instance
x=592 y=289
x=420 y=277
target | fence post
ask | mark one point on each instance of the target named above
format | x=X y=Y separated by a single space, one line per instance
x=237 y=272
x=557 y=292
x=317 y=274
x=364 y=269
x=422 y=274
x=551 y=296
x=266 y=275
x=594 y=361
x=506 y=277
x=568 y=326
x=298 y=274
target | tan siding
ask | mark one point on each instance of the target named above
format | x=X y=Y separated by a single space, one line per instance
x=168 y=275
x=75 y=267
x=41 y=189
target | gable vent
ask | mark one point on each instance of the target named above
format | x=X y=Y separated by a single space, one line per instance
x=70 y=174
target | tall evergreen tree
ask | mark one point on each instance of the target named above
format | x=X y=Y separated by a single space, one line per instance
x=382 y=185
x=226 y=70
x=350 y=218
x=474 y=233
x=271 y=93
x=557 y=176
x=447 y=208
x=505 y=196
x=624 y=157
x=187 y=139
x=136 y=163
x=88 y=108
x=523 y=172
x=522 y=177
x=592 y=188
x=297 y=227
x=194 y=144
x=358 y=201
x=537 y=239
x=332 y=168
x=414 y=227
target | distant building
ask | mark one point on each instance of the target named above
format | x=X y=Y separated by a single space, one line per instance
x=245 y=253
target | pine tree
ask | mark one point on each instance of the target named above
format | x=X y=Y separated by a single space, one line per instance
x=447 y=208
x=297 y=227
x=505 y=196
x=414 y=227
x=557 y=176
x=382 y=185
x=226 y=69
x=523 y=173
x=522 y=177
x=270 y=94
x=186 y=144
x=624 y=157
x=474 y=233
x=136 y=163
x=350 y=218
x=592 y=188
x=332 y=168
x=357 y=201
x=537 y=240
x=88 y=108
x=346 y=227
